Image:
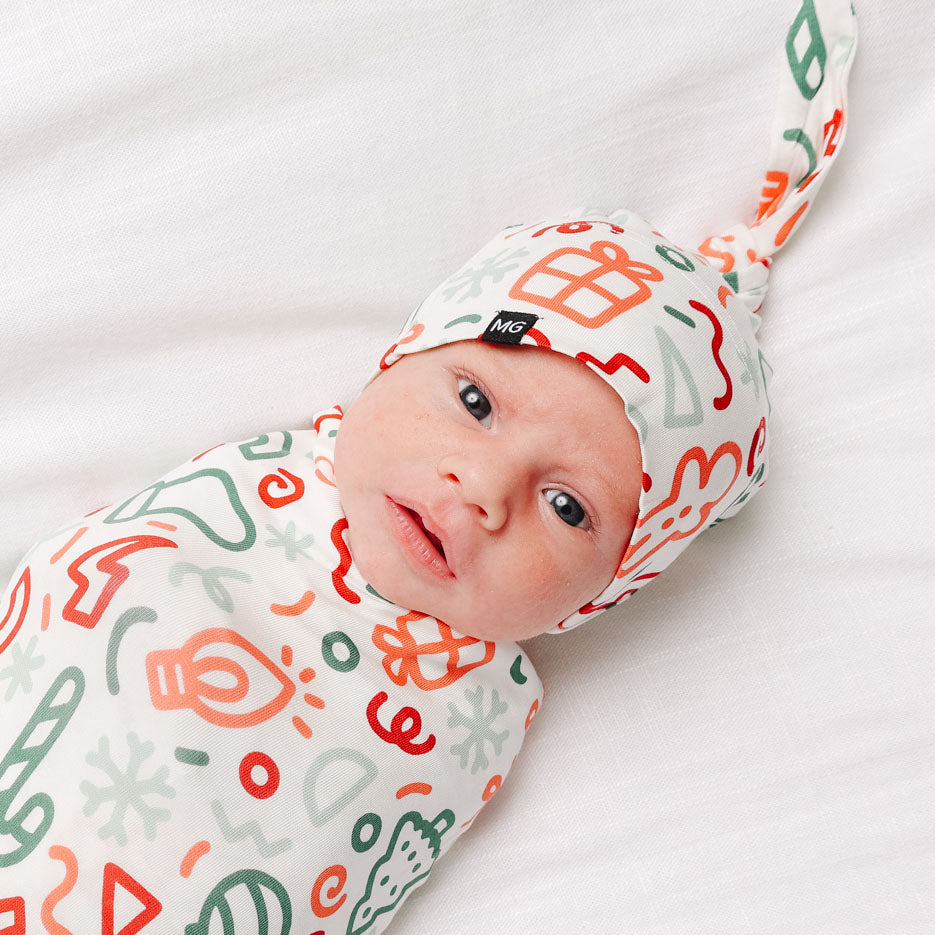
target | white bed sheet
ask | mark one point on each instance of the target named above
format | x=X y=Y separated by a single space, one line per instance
x=214 y=217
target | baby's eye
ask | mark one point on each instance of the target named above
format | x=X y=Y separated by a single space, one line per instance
x=474 y=401
x=567 y=508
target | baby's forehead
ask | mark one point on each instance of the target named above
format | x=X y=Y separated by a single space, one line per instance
x=528 y=382
x=531 y=368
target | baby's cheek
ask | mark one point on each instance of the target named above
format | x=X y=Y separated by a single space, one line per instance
x=542 y=588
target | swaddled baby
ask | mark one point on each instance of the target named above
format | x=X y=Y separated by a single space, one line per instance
x=267 y=692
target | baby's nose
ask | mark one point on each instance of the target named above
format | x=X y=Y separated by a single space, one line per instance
x=484 y=486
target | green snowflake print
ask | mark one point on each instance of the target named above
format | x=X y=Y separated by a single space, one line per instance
x=479 y=726
x=19 y=672
x=127 y=789
x=287 y=541
x=493 y=267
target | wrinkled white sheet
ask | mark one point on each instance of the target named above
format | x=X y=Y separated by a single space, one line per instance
x=214 y=217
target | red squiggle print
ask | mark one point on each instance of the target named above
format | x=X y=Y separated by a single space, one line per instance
x=337 y=576
x=67 y=857
x=615 y=363
x=109 y=564
x=771 y=195
x=399 y=733
x=414 y=332
x=195 y=852
x=786 y=228
x=281 y=483
x=321 y=459
x=413 y=788
x=590 y=608
x=203 y=453
x=727 y=259
x=539 y=338
x=54 y=558
x=569 y=227
x=338 y=873
x=833 y=130
x=293 y=610
x=720 y=402
x=758 y=435
x=336 y=412
x=17 y=608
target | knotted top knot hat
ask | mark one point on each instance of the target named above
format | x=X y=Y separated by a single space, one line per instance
x=672 y=330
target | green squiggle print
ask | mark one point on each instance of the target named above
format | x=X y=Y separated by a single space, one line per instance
x=250 y=452
x=795 y=135
x=124 y=622
x=224 y=499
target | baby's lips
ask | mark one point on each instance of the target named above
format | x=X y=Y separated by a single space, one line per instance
x=442 y=531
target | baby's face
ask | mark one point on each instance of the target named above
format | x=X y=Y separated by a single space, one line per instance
x=494 y=488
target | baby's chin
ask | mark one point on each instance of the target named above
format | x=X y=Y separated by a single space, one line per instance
x=502 y=627
x=505 y=633
x=494 y=619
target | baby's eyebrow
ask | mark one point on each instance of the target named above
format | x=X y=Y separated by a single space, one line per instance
x=497 y=386
x=598 y=482
x=608 y=490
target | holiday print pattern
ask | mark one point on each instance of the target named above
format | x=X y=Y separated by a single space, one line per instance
x=673 y=331
x=213 y=725
x=807 y=132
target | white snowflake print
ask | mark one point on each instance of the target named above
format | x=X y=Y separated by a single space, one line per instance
x=479 y=727
x=495 y=267
x=127 y=789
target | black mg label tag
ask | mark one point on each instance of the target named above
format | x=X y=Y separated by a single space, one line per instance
x=509 y=327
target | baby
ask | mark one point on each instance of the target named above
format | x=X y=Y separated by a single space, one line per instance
x=267 y=692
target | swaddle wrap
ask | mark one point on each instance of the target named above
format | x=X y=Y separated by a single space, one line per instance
x=672 y=330
x=212 y=725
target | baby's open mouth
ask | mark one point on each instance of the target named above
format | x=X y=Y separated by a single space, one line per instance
x=422 y=545
x=417 y=519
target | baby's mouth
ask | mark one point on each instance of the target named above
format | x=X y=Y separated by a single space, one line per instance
x=423 y=545
x=417 y=519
